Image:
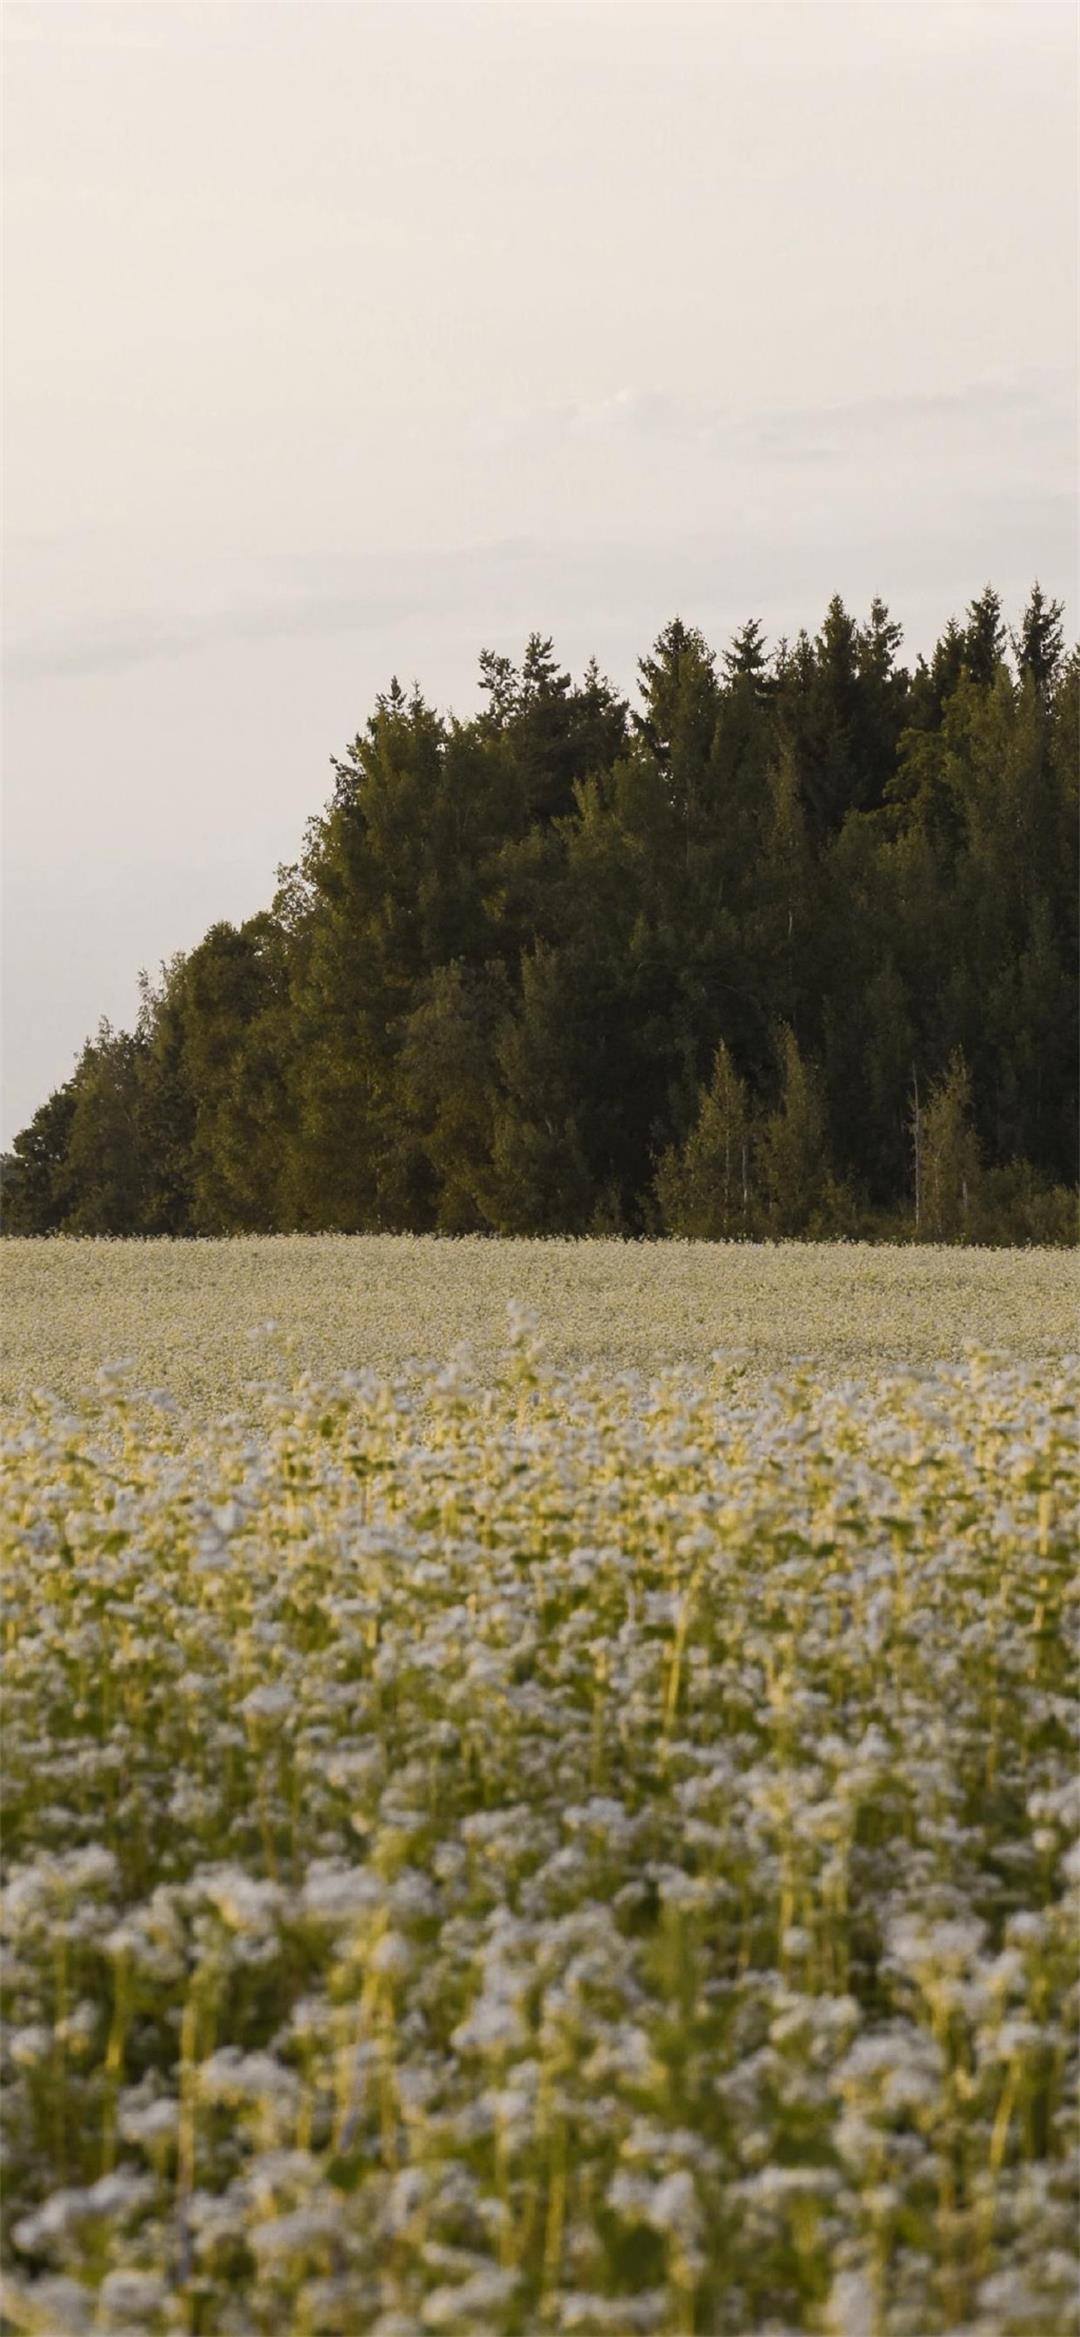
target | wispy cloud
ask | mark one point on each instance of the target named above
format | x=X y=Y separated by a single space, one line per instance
x=1037 y=400
x=987 y=465
x=402 y=607
x=130 y=639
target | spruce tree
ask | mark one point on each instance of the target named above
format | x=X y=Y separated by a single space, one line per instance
x=984 y=638
x=792 y=1154
x=746 y=658
x=949 y=1166
x=1040 y=641
x=485 y=994
x=703 y=1187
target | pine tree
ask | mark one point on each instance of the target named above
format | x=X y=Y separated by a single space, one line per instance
x=446 y=1092
x=541 y=1180
x=746 y=659
x=984 y=638
x=949 y=1165
x=484 y=995
x=1040 y=642
x=818 y=704
x=703 y=1187
x=676 y=681
x=882 y=705
x=500 y=682
x=792 y=1152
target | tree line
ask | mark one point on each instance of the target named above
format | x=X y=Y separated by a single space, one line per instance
x=787 y=949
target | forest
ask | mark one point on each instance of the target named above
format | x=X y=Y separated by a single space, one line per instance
x=786 y=950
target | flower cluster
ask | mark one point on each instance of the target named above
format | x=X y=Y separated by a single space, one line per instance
x=544 y=1851
x=612 y=1305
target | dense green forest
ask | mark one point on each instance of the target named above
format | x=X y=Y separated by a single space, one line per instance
x=790 y=949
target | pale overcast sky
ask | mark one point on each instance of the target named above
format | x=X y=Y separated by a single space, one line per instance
x=345 y=340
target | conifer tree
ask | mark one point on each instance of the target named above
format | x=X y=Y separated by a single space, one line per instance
x=746 y=658
x=984 y=638
x=484 y=995
x=949 y=1165
x=703 y=1187
x=1040 y=641
x=792 y=1157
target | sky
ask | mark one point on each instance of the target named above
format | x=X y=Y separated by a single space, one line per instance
x=344 y=341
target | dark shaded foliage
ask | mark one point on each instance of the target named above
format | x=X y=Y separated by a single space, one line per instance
x=791 y=949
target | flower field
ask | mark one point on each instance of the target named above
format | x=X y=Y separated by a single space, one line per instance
x=513 y=1850
x=184 y=1308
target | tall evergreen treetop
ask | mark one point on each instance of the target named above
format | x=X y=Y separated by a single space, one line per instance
x=681 y=662
x=984 y=638
x=746 y=658
x=1041 y=640
x=487 y=995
